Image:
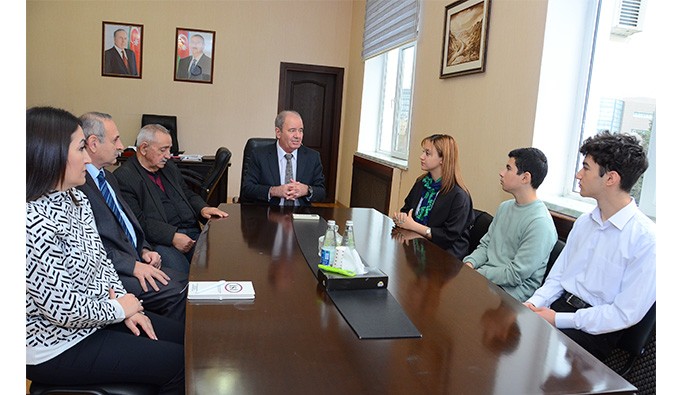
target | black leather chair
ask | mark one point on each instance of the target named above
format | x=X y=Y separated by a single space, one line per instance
x=170 y=123
x=634 y=339
x=479 y=228
x=251 y=144
x=556 y=251
x=206 y=184
x=94 y=389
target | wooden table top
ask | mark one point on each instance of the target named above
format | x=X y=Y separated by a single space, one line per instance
x=476 y=339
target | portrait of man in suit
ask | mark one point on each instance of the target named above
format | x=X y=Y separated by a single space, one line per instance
x=121 y=57
x=194 y=62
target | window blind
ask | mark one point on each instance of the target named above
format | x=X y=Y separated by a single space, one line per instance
x=389 y=24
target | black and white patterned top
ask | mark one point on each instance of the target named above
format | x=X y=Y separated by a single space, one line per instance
x=68 y=276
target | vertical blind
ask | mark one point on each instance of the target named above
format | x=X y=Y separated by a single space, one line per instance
x=389 y=24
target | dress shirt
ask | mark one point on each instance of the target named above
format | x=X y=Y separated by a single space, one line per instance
x=280 y=154
x=610 y=265
x=94 y=173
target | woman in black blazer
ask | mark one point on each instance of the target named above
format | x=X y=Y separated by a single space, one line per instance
x=439 y=206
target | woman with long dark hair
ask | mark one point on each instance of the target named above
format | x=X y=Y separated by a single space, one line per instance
x=82 y=327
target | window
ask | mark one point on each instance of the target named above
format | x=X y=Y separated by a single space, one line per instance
x=388 y=81
x=389 y=53
x=597 y=74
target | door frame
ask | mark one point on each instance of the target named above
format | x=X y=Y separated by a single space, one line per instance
x=339 y=74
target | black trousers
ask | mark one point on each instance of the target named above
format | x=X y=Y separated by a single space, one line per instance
x=601 y=346
x=114 y=355
x=168 y=301
x=194 y=233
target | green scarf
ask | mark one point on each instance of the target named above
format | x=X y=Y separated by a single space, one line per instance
x=430 y=190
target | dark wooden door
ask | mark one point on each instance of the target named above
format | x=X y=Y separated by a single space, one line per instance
x=316 y=93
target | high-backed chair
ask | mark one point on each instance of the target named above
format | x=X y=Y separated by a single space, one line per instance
x=479 y=228
x=167 y=121
x=556 y=251
x=206 y=184
x=251 y=144
x=634 y=339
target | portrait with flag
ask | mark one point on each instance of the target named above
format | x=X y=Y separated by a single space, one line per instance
x=122 y=49
x=194 y=55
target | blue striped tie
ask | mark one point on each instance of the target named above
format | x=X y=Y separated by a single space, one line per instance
x=103 y=187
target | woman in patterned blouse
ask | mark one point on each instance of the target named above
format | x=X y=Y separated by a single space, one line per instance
x=82 y=327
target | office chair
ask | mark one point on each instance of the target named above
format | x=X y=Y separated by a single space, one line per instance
x=206 y=184
x=251 y=144
x=634 y=339
x=167 y=121
x=93 y=389
x=556 y=251
x=479 y=228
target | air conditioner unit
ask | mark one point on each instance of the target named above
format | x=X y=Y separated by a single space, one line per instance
x=628 y=17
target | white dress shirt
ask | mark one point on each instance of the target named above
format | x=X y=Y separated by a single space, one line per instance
x=282 y=166
x=611 y=266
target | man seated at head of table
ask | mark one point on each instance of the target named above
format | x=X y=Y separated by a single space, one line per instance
x=604 y=281
x=286 y=173
x=514 y=251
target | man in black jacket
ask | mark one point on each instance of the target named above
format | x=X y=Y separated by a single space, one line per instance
x=167 y=209
x=286 y=173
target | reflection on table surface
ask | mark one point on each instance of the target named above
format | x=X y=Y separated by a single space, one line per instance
x=291 y=338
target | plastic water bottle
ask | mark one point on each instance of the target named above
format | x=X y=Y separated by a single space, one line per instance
x=329 y=244
x=348 y=238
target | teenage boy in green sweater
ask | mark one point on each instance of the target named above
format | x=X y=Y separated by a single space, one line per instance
x=514 y=251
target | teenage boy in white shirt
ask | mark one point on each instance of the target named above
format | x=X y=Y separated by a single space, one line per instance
x=604 y=280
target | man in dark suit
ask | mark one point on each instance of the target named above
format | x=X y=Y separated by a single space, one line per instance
x=138 y=267
x=285 y=173
x=167 y=209
x=198 y=66
x=119 y=59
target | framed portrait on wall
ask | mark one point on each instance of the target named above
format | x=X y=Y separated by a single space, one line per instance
x=465 y=36
x=194 y=55
x=122 y=49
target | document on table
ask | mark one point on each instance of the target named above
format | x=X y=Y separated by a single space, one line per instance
x=220 y=290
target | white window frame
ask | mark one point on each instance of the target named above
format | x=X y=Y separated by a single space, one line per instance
x=395 y=100
x=563 y=92
x=373 y=113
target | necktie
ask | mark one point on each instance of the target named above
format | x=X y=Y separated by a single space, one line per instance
x=192 y=68
x=103 y=187
x=289 y=176
x=127 y=66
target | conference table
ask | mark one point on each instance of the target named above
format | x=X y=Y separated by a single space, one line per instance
x=292 y=339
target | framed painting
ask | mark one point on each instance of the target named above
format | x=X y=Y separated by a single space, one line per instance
x=465 y=37
x=194 y=55
x=122 y=49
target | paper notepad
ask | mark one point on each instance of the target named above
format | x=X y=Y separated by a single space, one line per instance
x=221 y=290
